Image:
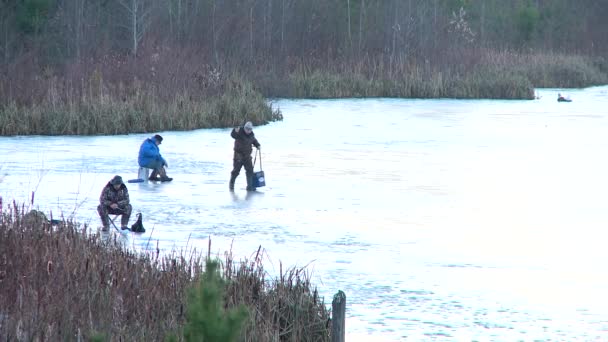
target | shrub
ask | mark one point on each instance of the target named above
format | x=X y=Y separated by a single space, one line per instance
x=207 y=318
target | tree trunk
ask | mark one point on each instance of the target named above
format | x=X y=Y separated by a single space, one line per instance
x=482 y=23
x=361 y=9
x=251 y=31
x=134 y=26
x=214 y=34
x=283 y=28
x=350 y=38
x=78 y=27
x=179 y=23
x=270 y=30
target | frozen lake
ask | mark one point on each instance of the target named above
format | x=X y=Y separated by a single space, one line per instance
x=440 y=219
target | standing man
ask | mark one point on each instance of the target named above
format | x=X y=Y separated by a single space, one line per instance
x=114 y=200
x=149 y=157
x=243 y=140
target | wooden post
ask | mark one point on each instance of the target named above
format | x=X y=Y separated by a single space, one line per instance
x=338 y=317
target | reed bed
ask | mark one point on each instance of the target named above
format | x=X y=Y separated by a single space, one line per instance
x=564 y=71
x=416 y=82
x=67 y=283
x=104 y=108
x=116 y=94
x=467 y=74
x=174 y=91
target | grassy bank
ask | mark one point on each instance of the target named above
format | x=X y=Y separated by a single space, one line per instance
x=475 y=74
x=563 y=71
x=487 y=84
x=65 y=283
x=97 y=106
x=173 y=91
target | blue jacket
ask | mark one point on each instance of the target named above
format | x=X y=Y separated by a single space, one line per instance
x=149 y=154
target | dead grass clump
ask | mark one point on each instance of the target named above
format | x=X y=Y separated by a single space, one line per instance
x=287 y=308
x=63 y=282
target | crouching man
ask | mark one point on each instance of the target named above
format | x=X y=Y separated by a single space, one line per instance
x=150 y=157
x=114 y=200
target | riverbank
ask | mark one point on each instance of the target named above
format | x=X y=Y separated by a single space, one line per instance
x=98 y=106
x=145 y=95
x=485 y=75
x=66 y=282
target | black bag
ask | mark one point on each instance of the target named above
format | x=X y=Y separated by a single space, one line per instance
x=258 y=177
x=138 y=227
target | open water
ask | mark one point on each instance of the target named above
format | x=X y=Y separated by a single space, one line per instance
x=441 y=220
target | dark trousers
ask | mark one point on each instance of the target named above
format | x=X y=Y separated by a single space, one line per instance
x=104 y=211
x=238 y=162
x=157 y=167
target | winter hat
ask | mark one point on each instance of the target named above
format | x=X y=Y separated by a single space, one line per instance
x=158 y=138
x=248 y=126
x=116 y=180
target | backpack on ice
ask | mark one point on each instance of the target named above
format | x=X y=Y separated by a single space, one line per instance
x=138 y=227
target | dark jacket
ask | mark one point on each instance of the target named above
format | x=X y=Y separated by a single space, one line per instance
x=110 y=195
x=243 y=142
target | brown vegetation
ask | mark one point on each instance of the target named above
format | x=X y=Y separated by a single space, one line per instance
x=121 y=66
x=64 y=283
x=120 y=97
x=128 y=97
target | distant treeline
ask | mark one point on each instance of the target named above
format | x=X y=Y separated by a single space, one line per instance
x=166 y=59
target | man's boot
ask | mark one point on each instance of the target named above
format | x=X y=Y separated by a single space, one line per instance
x=124 y=224
x=231 y=183
x=153 y=176
x=105 y=222
x=163 y=175
x=250 y=186
x=103 y=215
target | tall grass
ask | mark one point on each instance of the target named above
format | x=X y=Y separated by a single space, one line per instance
x=564 y=71
x=469 y=74
x=482 y=83
x=175 y=91
x=67 y=283
x=105 y=108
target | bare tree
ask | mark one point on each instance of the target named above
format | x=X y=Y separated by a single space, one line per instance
x=482 y=22
x=268 y=26
x=283 y=27
x=251 y=29
x=361 y=11
x=350 y=38
x=71 y=15
x=175 y=17
x=138 y=13
x=214 y=32
x=7 y=37
x=396 y=29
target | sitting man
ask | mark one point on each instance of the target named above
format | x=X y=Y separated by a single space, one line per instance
x=149 y=157
x=114 y=200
